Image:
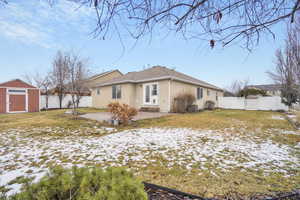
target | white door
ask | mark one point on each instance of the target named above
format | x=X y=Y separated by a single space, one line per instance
x=150 y=93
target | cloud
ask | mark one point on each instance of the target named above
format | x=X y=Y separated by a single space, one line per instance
x=39 y=23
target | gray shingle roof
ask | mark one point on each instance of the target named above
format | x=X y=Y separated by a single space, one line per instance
x=156 y=73
x=267 y=87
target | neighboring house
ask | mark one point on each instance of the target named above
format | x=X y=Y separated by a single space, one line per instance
x=91 y=82
x=17 y=96
x=155 y=87
x=271 y=89
x=105 y=76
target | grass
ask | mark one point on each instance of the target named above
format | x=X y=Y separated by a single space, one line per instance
x=201 y=182
x=54 y=118
x=221 y=119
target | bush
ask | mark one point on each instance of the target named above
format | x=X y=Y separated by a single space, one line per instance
x=84 y=184
x=251 y=91
x=209 y=105
x=122 y=112
x=182 y=102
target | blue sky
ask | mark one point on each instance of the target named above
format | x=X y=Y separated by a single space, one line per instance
x=31 y=32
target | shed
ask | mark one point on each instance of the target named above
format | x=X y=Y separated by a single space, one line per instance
x=17 y=96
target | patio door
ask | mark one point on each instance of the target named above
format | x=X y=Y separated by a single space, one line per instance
x=150 y=93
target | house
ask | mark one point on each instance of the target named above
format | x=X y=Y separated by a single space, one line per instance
x=270 y=89
x=105 y=76
x=89 y=83
x=17 y=96
x=153 y=88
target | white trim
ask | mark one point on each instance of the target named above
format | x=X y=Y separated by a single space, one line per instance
x=26 y=99
x=18 y=112
x=16 y=93
x=151 y=97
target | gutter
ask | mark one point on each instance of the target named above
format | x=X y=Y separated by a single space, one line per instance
x=156 y=79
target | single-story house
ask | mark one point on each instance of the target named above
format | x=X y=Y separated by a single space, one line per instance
x=155 y=87
x=270 y=89
x=17 y=96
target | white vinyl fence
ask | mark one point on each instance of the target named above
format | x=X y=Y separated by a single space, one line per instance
x=53 y=102
x=260 y=103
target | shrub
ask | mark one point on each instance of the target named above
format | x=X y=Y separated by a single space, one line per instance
x=122 y=112
x=251 y=91
x=84 y=184
x=182 y=102
x=209 y=105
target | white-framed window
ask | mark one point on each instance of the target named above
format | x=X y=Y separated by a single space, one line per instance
x=151 y=93
x=116 y=92
x=199 y=93
x=98 y=91
x=154 y=89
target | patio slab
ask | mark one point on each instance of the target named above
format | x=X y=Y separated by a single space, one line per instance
x=104 y=116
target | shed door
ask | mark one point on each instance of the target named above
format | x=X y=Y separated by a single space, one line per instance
x=17 y=103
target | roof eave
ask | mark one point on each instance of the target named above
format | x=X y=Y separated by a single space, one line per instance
x=157 y=79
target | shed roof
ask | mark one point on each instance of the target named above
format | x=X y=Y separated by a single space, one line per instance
x=17 y=83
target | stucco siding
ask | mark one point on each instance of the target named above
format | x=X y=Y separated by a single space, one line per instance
x=105 y=97
x=178 y=88
x=106 y=77
x=163 y=91
x=133 y=95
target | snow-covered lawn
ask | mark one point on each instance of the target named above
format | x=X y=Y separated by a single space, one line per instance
x=26 y=153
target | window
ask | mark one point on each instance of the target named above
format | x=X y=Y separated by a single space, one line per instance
x=216 y=96
x=207 y=92
x=147 y=94
x=19 y=91
x=116 y=92
x=199 y=93
x=98 y=91
x=154 y=89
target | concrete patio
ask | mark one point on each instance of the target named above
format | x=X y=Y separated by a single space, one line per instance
x=104 y=116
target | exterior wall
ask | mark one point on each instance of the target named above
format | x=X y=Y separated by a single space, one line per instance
x=105 y=97
x=133 y=95
x=107 y=77
x=33 y=100
x=2 y=100
x=180 y=88
x=163 y=93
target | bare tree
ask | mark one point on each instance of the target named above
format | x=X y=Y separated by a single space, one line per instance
x=41 y=81
x=78 y=73
x=287 y=66
x=60 y=75
x=237 y=86
x=218 y=21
